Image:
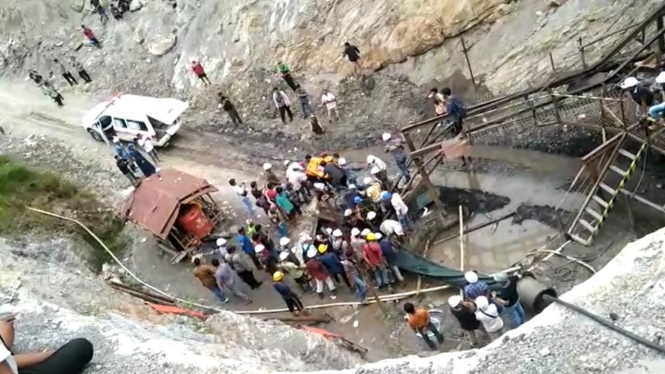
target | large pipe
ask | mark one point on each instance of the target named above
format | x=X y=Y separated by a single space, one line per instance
x=532 y=293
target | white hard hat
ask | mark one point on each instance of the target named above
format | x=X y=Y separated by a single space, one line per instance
x=329 y=230
x=267 y=166
x=377 y=235
x=259 y=248
x=352 y=187
x=221 y=242
x=319 y=186
x=311 y=253
x=348 y=212
x=454 y=300
x=355 y=231
x=386 y=136
x=306 y=237
x=341 y=161
x=368 y=180
x=375 y=170
x=116 y=140
x=661 y=77
x=365 y=232
x=284 y=241
x=482 y=302
x=286 y=162
x=337 y=233
x=371 y=215
x=629 y=82
x=471 y=276
x=370 y=159
x=283 y=256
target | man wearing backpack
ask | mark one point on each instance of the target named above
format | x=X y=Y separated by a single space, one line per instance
x=456 y=110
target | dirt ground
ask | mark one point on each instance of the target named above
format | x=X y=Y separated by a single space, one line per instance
x=517 y=177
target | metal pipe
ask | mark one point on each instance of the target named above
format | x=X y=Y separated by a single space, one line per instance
x=468 y=62
x=610 y=325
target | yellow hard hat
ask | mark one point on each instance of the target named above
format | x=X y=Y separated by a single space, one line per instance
x=370 y=236
x=277 y=276
x=323 y=248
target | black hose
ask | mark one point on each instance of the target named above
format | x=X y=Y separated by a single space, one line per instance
x=606 y=323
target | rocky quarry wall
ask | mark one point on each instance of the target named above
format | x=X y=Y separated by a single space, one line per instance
x=58 y=301
x=412 y=45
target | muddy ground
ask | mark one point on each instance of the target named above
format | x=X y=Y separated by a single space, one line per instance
x=503 y=180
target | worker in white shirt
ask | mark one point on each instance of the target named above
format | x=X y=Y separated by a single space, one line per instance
x=400 y=208
x=391 y=227
x=330 y=101
x=488 y=314
x=378 y=168
x=244 y=197
x=145 y=143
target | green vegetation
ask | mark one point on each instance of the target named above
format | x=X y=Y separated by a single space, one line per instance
x=21 y=187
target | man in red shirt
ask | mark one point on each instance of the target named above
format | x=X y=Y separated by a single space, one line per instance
x=91 y=36
x=320 y=274
x=197 y=68
x=374 y=258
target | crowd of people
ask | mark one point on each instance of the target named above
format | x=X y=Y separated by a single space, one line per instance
x=137 y=159
x=356 y=251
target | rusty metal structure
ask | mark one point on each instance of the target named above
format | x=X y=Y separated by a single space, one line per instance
x=589 y=97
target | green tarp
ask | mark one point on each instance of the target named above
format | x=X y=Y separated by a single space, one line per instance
x=409 y=261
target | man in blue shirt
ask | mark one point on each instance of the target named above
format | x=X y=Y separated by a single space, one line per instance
x=290 y=298
x=247 y=247
x=475 y=287
x=390 y=254
x=456 y=111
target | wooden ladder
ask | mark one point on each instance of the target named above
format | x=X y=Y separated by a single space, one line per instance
x=597 y=205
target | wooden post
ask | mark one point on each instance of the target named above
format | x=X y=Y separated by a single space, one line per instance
x=581 y=49
x=661 y=41
x=555 y=101
x=468 y=62
x=461 y=243
x=425 y=178
x=552 y=62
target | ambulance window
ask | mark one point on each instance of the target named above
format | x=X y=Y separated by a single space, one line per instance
x=119 y=122
x=136 y=125
x=105 y=121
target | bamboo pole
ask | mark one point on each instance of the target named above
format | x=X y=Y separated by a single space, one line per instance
x=461 y=243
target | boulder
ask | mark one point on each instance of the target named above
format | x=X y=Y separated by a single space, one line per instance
x=135 y=5
x=77 y=5
x=161 y=45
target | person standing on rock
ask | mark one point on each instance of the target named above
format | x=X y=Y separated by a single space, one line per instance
x=330 y=101
x=396 y=148
x=65 y=73
x=206 y=275
x=285 y=72
x=303 y=100
x=226 y=280
x=99 y=9
x=353 y=54
x=282 y=103
x=80 y=69
x=197 y=68
x=90 y=36
x=421 y=323
x=243 y=266
x=51 y=92
x=229 y=108
x=123 y=166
